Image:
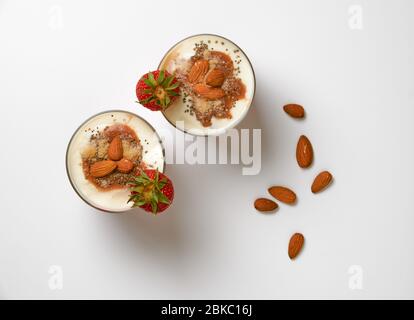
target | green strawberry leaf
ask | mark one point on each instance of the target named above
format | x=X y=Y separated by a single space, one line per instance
x=152 y=79
x=161 y=185
x=167 y=82
x=147 y=100
x=139 y=203
x=138 y=189
x=149 y=83
x=131 y=198
x=144 y=175
x=173 y=86
x=154 y=207
x=163 y=199
x=140 y=181
x=173 y=93
x=161 y=77
x=167 y=101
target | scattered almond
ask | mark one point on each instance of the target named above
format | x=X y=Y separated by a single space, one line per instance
x=208 y=92
x=198 y=71
x=304 y=152
x=102 y=168
x=321 y=181
x=125 y=166
x=263 y=204
x=283 y=194
x=294 y=110
x=215 y=78
x=295 y=245
x=115 y=150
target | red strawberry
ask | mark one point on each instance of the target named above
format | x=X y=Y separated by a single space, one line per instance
x=152 y=191
x=157 y=90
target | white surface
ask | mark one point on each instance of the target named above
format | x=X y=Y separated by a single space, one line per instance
x=358 y=90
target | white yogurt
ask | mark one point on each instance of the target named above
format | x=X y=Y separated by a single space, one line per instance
x=152 y=156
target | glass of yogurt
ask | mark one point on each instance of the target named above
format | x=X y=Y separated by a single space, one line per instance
x=217 y=84
x=105 y=152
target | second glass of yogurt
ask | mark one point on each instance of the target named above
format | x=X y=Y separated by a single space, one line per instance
x=105 y=153
x=218 y=84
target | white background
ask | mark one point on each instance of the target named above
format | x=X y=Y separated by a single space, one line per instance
x=358 y=90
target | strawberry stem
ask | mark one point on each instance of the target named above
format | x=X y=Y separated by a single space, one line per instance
x=160 y=90
x=145 y=190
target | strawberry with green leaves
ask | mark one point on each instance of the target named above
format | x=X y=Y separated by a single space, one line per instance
x=157 y=90
x=152 y=191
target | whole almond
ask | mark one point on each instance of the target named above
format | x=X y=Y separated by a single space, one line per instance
x=198 y=71
x=215 y=78
x=208 y=92
x=294 y=110
x=102 y=168
x=283 y=194
x=304 y=152
x=264 y=205
x=125 y=166
x=295 y=245
x=115 y=150
x=321 y=181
